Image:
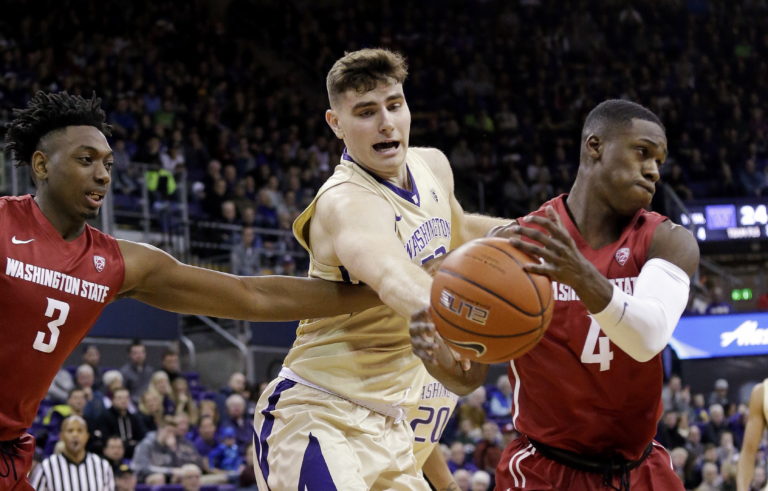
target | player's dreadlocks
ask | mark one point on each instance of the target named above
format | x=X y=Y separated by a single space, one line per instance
x=47 y=112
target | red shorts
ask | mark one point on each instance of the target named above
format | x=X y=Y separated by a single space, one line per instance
x=523 y=468
x=15 y=462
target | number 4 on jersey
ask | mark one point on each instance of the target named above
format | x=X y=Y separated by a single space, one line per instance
x=53 y=326
x=604 y=355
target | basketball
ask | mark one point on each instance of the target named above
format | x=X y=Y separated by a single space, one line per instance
x=486 y=306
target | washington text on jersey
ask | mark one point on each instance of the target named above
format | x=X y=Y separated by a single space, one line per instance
x=56 y=280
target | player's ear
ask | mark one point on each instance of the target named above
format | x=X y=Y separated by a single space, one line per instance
x=593 y=146
x=39 y=165
x=333 y=121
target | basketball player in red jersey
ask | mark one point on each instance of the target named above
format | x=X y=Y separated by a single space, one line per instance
x=57 y=273
x=587 y=398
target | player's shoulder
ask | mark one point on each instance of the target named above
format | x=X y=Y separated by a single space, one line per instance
x=349 y=198
x=434 y=157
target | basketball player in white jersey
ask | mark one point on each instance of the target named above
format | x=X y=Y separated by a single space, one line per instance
x=753 y=434
x=335 y=418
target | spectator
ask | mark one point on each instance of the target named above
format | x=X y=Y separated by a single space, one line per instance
x=676 y=397
x=190 y=477
x=62 y=384
x=236 y=418
x=158 y=458
x=111 y=381
x=151 y=410
x=226 y=457
x=75 y=406
x=711 y=479
x=668 y=433
x=162 y=385
x=244 y=257
x=206 y=440
x=488 y=450
x=719 y=394
x=92 y=356
x=480 y=481
x=463 y=479
x=752 y=180
x=84 y=380
x=125 y=478
x=500 y=400
x=136 y=373
x=458 y=459
x=114 y=453
x=472 y=408
x=682 y=464
x=119 y=421
x=236 y=384
x=170 y=364
x=717 y=303
x=693 y=442
x=74 y=468
x=716 y=426
x=183 y=400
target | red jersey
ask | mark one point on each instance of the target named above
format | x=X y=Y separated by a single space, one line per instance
x=52 y=293
x=576 y=390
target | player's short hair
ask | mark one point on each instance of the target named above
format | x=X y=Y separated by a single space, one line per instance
x=616 y=113
x=47 y=112
x=363 y=70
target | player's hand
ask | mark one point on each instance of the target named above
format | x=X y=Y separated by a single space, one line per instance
x=505 y=231
x=433 y=265
x=429 y=346
x=561 y=259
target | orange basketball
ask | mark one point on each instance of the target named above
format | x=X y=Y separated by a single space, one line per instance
x=486 y=306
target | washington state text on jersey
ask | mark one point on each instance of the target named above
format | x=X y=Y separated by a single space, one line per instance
x=434 y=227
x=56 y=280
x=565 y=293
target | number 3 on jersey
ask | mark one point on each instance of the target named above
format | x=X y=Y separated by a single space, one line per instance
x=604 y=355
x=54 y=306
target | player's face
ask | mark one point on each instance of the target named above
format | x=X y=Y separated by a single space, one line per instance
x=74 y=171
x=631 y=159
x=375 y=127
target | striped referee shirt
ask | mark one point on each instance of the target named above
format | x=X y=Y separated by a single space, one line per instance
x=58 y=473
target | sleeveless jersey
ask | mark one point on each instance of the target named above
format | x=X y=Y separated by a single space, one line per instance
x=366 y=356
x=576 y=390
x=430 y=416
x=53 y=292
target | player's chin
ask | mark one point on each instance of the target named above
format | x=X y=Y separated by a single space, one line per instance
x=90 y=214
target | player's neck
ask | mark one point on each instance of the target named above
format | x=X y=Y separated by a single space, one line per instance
x=68 y=228
x=597 y=223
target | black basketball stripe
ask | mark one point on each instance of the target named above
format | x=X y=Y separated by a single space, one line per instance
x=485 y=289
x=460 y=328
x=533 y=283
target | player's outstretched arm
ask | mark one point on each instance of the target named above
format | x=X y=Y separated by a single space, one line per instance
x=364 y=242
x=436 y=470
x=158 y=279
x=753 y=433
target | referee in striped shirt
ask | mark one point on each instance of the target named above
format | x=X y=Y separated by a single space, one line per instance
x=73 y=469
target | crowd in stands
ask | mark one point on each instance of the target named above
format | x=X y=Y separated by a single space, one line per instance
x=160 y=427
x=155 y=427
x=230 y=104
x=500 y=87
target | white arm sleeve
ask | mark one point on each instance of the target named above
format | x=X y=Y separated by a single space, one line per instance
x=642 y=324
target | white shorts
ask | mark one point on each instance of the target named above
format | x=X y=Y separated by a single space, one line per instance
x=309 y=439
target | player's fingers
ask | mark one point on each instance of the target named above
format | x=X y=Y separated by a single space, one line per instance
x=534 y=250
x=534 y=234
x=553 y=225
x=546 y=269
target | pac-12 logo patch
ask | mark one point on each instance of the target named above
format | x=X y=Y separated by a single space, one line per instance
x=622 y=255
x=434 y=195
x=99 y=262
